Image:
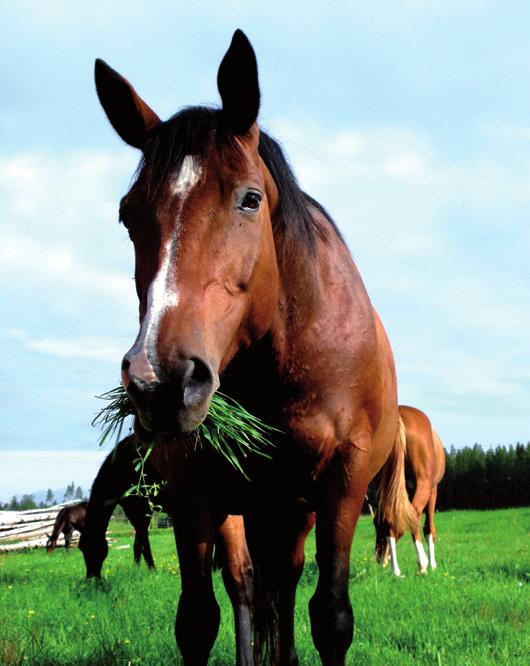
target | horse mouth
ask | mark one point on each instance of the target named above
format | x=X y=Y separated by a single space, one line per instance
x=177 y=423
x=173 y=407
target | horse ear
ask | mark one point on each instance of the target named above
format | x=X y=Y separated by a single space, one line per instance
x=237 y=81
x=130 y=116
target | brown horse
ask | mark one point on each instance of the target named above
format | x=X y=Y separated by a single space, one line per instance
x=244 y=281
x=69 y=518
x=425 y=467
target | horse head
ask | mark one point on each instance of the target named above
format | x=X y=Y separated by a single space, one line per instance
x=199 y=216
x=51 y=544
x=95 y=549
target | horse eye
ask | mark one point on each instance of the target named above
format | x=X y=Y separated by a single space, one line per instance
x=250 y=202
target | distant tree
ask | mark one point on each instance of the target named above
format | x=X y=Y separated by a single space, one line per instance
x=27 y=502
x=78 y=493
x=69 y=492
x=50 y=499
x=14 y=505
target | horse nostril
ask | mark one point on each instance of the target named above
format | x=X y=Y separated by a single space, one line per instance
x=197 y=382
x=137 y=386
x=202 y=373
x=125 y=365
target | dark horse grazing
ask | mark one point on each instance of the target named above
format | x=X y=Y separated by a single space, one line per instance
x=116 y=475
x=424 y=469
x=244 y=282
x=69 y=518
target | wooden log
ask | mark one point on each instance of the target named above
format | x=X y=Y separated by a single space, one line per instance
x=39 y=542
x=27 y=528
x=15 y=517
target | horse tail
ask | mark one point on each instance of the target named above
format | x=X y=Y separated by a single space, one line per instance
x=392 y=497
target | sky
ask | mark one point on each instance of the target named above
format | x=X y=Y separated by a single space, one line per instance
x=408 y=120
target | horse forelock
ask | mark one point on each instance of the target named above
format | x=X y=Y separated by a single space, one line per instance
x=175 y=154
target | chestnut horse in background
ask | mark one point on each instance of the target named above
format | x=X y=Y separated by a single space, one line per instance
x=69 y=518
x=245 y=283
x=425 y=467
x=116 y=475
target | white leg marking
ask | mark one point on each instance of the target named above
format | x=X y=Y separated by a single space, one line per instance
x=393 y=557
x=432 y=559
x=423 y=560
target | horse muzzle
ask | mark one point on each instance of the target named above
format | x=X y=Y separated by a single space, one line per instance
x=171 y=402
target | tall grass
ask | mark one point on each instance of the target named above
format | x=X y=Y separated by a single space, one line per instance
x=473 y=610
x=229 y=428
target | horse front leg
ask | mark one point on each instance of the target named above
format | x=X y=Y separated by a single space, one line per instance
x=238 y=580
x=330 y=608
x=198 y=613
x=141 y=543
x=294 y=566
x=68 y=536
x=148 y=555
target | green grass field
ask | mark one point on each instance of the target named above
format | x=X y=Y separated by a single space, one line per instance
x=473 y=610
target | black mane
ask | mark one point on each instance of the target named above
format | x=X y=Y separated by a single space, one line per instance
x=193 y=131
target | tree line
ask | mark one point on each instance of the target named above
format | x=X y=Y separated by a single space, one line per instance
x=26 y=502
x=474 y=479
x=492 y=479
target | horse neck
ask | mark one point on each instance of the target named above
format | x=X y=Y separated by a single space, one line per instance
x=116 y=475
x=311 y=289
x=60 y=523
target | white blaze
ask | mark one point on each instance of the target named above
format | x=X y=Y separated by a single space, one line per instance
x=188 y=176
x=163 y=290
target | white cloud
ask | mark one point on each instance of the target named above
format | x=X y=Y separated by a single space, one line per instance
x=38 y=261
x=61 y=249
x=99 y=348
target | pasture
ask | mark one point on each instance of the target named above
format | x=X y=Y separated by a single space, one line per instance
x=473 y=610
